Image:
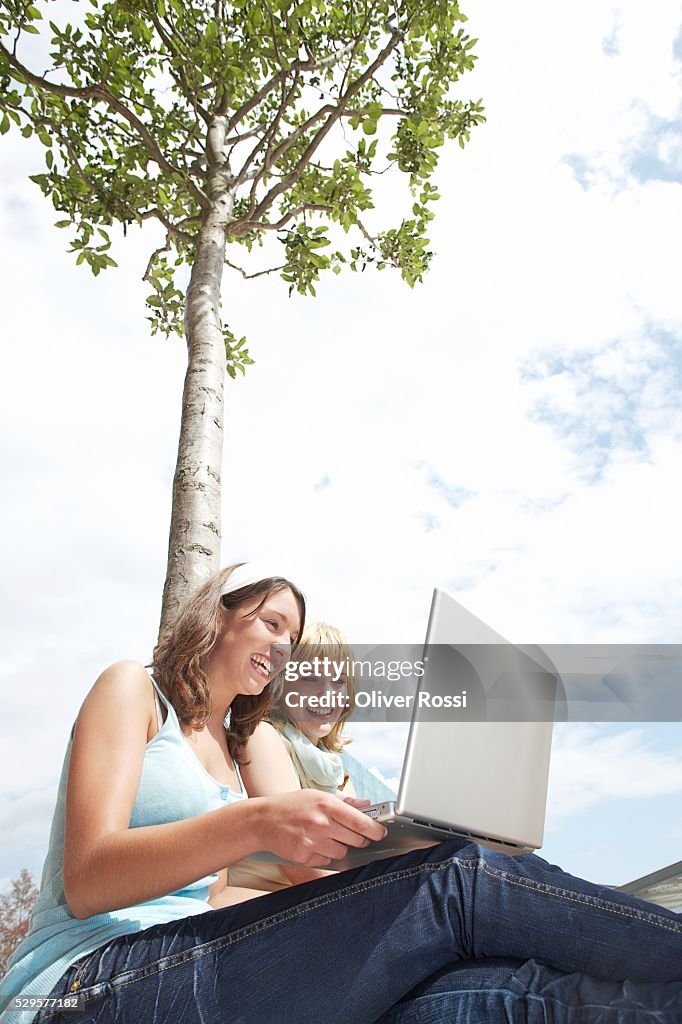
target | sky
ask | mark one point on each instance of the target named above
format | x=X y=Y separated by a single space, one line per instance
x=510 y=430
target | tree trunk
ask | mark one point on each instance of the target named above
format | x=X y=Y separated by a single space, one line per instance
x=194 y=542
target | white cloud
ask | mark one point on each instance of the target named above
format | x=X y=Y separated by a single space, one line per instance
x=590 y=768
x=381 y=748
x=392 y=781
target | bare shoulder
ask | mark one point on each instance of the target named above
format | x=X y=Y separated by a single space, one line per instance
x=124 y=673
x=123 y=686
x=264 y=737
x=268 y=769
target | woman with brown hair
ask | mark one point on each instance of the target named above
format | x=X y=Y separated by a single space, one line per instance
x=148 y=811
x=150 y=802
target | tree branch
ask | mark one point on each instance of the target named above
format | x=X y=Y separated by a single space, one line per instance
x=318 y=138
x=295 y=212
x=272 y=83
x=356 y=42
x=260 y=273
x=154 y=213
x=178 y=74
x=332 y=59
x=274 y=35
x=76 y=163
x=244 y=174
x=173 y=229
x=152 y=258
x=390 y=111
x=290 y=141
x=99 y=92
x=152 y=145
x=234 y=140
x=257 y=98
x=370 y=238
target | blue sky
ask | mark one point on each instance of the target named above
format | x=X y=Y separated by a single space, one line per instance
x=511 y=430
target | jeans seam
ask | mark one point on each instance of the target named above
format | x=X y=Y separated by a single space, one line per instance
x=610 y=908
x=544 y=998
x=286 y=915
x=223 y=942
x=42 y=1015
x=82 y=969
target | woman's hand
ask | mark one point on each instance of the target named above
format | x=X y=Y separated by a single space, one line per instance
x=356 y=801
x=313 y=828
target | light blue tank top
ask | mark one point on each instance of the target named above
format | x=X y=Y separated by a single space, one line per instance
x=174 y=785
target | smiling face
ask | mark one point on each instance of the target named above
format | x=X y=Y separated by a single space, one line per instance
x=244 y=657
x=316 y=718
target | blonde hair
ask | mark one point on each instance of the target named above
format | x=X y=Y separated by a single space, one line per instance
x=320 y=640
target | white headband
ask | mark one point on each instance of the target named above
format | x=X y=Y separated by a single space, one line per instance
x=249 y=572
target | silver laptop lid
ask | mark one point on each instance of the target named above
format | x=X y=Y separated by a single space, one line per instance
x=485 y=777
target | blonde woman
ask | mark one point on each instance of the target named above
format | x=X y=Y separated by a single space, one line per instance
x=312 y=711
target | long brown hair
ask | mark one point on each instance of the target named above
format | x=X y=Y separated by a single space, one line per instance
x=178 y=659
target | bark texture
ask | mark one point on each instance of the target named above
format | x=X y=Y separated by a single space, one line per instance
x=194 y=542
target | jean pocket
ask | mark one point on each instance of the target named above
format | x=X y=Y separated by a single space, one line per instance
x=79 y=969
x=70 y=983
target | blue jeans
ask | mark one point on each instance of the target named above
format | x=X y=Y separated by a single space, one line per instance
x=527 y=992
x=346 y=949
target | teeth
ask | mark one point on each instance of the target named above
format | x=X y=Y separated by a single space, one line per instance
x=263 y=663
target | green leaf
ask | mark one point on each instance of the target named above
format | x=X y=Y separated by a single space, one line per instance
x=239 y=47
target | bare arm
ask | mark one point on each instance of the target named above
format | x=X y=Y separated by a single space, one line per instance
x=270 y=771
x=108 y=865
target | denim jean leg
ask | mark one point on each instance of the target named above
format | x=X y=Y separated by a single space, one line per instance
x=348 y=947
x=497 y=990
x=543 y=912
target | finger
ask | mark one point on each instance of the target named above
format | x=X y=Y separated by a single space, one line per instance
x=331 y=849
x=347 y=836
x=354 y=820
x=317 y=862
x=356 y=801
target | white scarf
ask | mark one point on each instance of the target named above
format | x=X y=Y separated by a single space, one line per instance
x=321 y=769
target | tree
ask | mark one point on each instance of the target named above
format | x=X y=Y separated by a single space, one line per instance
x=15 y=910
x=255 y=124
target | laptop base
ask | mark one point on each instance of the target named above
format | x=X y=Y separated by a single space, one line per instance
x=406 y=834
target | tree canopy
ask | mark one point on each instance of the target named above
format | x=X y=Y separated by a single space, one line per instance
x=16 y=905
x=156 y=110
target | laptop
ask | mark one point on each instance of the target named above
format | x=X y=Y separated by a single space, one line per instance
x=481 y=780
